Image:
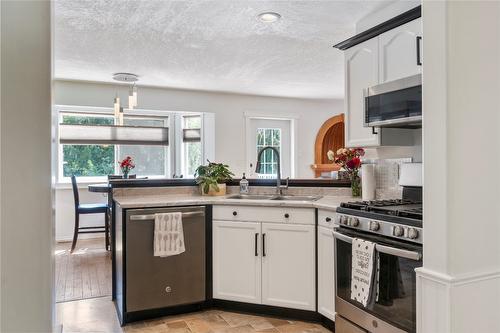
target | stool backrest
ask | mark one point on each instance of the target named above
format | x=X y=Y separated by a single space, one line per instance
x=75 y=191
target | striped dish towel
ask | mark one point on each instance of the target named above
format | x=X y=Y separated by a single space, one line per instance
x=168 y=235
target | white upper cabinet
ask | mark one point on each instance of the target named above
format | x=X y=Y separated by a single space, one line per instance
x=400 y=51
x=361 y=72
x=390 y=56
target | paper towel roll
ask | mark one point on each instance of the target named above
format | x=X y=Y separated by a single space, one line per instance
x=368 y=182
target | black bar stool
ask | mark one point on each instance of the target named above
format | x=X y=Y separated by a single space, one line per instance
x=99 y=208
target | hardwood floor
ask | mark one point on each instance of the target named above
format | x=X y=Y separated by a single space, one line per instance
x=99 y=315
x=85 y=273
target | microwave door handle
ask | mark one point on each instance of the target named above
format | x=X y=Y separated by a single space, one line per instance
x=412 y=255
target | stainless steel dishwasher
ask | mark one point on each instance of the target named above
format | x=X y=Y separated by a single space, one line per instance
x=162 y=282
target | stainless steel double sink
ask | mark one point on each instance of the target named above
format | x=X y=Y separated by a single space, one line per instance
x=274 y=197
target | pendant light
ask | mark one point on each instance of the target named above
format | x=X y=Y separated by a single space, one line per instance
x=117 y=107
x=117 y=133
x=132 y=97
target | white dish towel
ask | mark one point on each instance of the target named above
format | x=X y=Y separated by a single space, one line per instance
x=363 y=260
x=168 y=235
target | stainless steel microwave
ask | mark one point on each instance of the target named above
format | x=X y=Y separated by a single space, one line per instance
x=394 y=104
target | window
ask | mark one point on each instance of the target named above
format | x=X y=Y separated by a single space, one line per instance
x=268 y=137
x=262 y=132
x=87 y=160
x=94 y=162
x=149 y=160
x=191 y=145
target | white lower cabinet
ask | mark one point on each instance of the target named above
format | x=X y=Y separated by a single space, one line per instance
x=265 y=262
x=236 y=268
x=326 y=274
x=288 y=276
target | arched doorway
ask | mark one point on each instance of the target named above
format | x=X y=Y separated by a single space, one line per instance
x=330 y=137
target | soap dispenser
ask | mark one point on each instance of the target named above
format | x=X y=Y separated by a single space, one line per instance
x=244 y=185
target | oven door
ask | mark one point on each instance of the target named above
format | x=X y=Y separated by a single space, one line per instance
x=395 y=309
x=394 y=104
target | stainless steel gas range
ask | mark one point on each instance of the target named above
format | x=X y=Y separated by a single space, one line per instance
x=395 y=226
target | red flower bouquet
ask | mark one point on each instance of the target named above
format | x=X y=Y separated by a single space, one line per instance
x=126 y=165
x=350 y=160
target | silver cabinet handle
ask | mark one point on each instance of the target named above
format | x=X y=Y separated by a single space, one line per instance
x=384 y=249
x=152 y=216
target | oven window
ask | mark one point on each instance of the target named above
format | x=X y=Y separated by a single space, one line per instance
x=394 y=105
x=397 y=284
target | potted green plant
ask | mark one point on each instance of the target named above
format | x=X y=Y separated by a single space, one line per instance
x=212 y=178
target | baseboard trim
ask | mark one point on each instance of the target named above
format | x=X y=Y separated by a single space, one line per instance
x=459 y=279
x=268 y=310
x=438 y=296
x=81 y=237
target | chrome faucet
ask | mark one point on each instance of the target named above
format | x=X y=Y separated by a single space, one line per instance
x=279 y=187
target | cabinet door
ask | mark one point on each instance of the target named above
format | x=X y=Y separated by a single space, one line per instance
x=236 y=264
x=361 y=72
x=326 y=277
x=288 y=266
x=399 y=50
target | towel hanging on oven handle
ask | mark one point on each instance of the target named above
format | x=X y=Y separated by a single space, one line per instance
x=384 y=249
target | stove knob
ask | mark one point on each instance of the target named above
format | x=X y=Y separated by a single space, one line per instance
x=344 y=219
x=374 y=225
x=412 y=233
x=398 y=231
x=353 y=222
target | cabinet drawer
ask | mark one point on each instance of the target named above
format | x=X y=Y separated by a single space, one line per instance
x=326 y=218
x=264 y=214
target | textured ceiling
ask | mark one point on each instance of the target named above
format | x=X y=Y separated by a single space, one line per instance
x=209 y=45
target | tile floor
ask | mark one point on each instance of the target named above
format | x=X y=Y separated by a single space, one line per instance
x=98 y=315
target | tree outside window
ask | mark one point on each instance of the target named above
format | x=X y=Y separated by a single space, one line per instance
x=88 y=160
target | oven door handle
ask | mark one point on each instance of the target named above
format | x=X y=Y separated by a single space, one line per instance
x=384 y=249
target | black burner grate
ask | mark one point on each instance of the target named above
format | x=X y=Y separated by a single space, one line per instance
x=397 y=207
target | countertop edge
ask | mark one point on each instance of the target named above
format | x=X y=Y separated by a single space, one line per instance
x=326 y=202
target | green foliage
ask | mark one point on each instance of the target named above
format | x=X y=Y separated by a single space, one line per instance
x=209 y=176
x=88 y=160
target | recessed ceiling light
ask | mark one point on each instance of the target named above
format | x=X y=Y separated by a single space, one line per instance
x=269 y=17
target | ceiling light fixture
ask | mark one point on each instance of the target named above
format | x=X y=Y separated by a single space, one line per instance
x=132 y=97
x=269 y=17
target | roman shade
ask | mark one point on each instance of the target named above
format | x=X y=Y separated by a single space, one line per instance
x=113 y=135
x=191 y=135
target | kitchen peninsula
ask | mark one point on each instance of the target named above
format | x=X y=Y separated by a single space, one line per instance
x=238 y=249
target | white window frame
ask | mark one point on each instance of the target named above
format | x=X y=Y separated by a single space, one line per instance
x=251 y=115
x=182 y=159
x=173 y=158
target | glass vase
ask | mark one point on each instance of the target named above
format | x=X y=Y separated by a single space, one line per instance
x=355 y=184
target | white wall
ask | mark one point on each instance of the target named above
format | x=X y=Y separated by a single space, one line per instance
x=25 y=190
x=65 y=212
x=459 y=285
x=229 y=112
